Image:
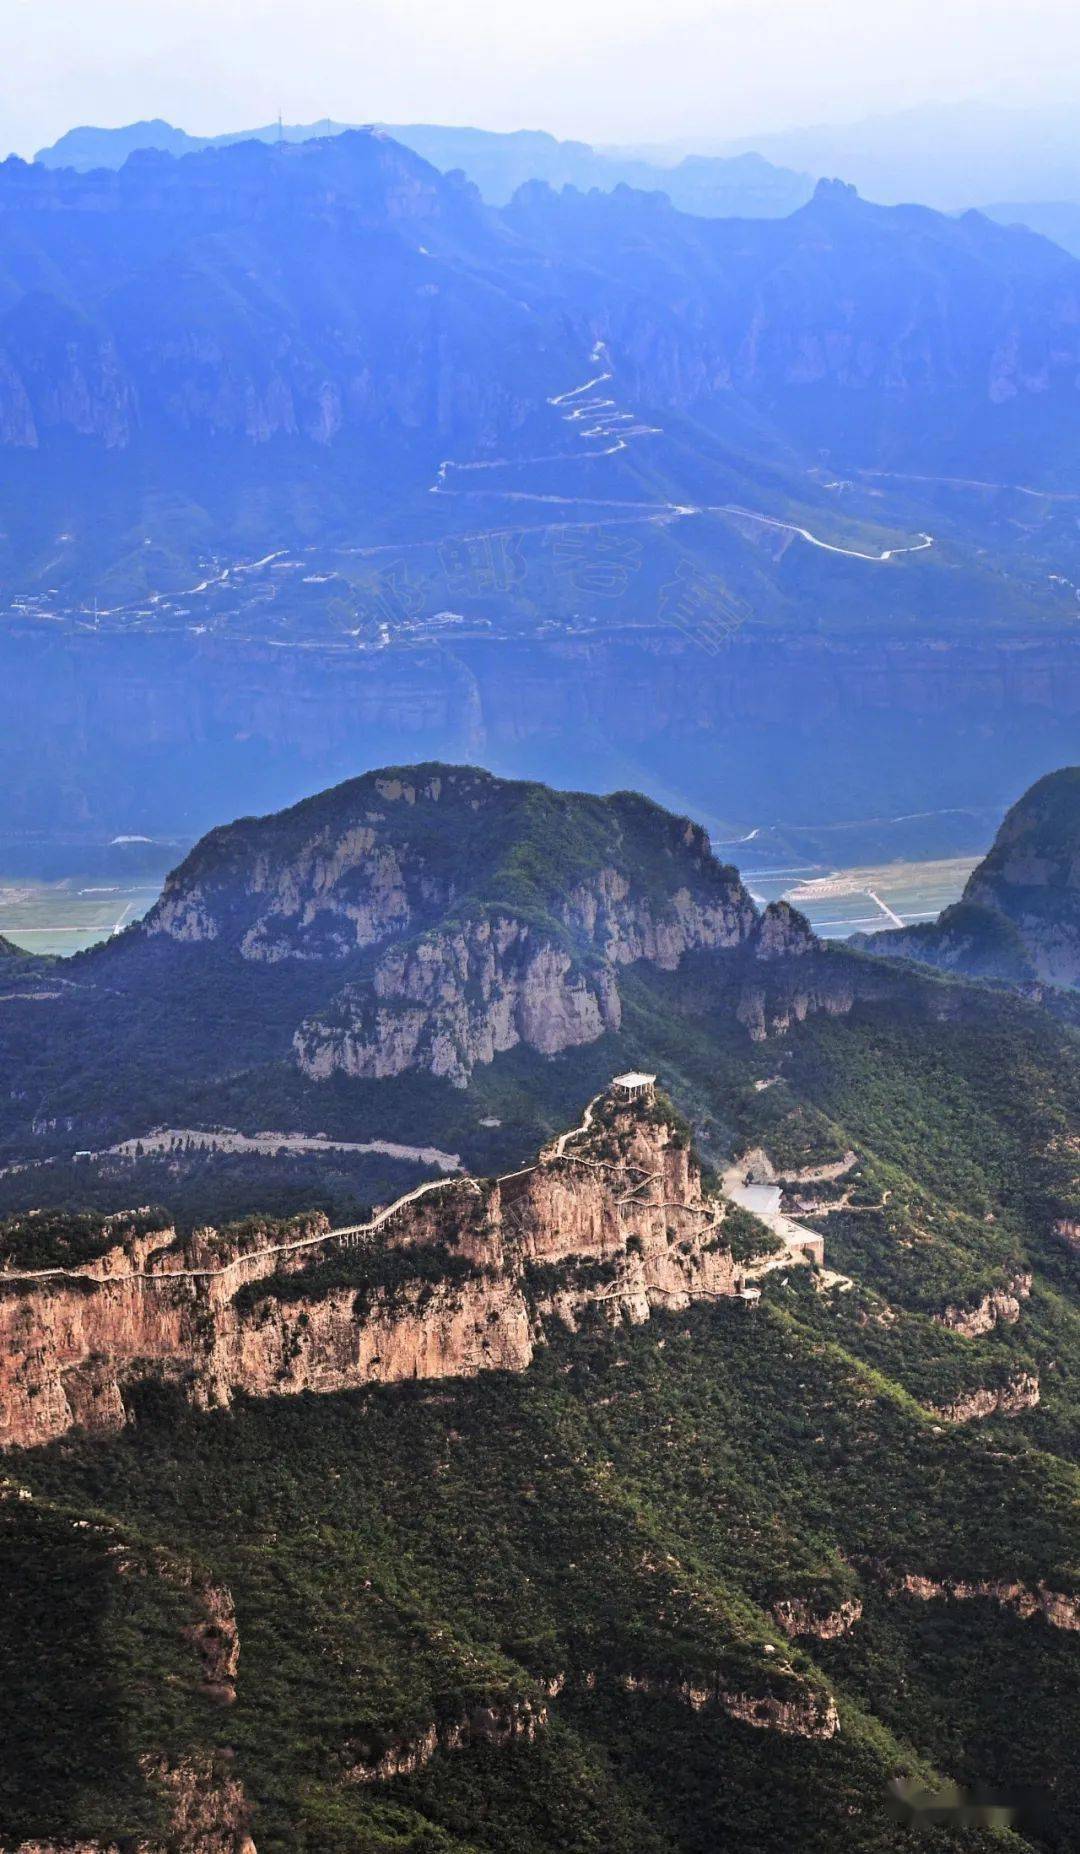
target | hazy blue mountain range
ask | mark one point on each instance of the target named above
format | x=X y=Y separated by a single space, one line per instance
x=716 y=186
x=949 y=155
x=310 y=457
x=216 y=300
x=86 y=147
x=1056 y=219
x=886 y=159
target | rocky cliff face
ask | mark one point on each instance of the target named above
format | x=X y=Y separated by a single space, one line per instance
x=462 y=1279
x=1002 y=1306
x=132 y=349
x=783 y=984
x=458 y=999
x=1060 y=1609
x=494 y=913
x=797 y=1617
x=518 y=1722
x=1032 y=876
x=800 y=1711
x=384 y=855
x=835 y=295
x=1010 y=1399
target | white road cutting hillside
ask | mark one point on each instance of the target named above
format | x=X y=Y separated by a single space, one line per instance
x=598 y=416
x=349 y=1232
x=830 y=547
x=226 y=1139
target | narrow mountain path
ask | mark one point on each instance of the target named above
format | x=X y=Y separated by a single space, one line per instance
x=344 y=1234
x=350 y=1234
x=348 y=1231
x=559 y=1148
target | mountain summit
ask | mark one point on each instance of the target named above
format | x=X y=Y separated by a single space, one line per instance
x=477 y=912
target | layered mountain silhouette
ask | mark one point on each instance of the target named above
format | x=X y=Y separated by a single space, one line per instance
x=717 y=186
x=323 y=288
x=332 y=319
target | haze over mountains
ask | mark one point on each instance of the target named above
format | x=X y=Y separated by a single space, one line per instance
x=465 y=471
x=1019 y=166
x=841 y=320
x=741 y=185
x=593 y=1366
x=949 y=154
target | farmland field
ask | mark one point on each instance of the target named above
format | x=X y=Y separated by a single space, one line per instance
x=840 y=902
x=67 y=917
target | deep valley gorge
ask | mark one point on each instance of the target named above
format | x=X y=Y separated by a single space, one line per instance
x=515 y=1338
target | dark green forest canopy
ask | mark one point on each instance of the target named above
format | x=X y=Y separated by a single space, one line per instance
x=578 y=1551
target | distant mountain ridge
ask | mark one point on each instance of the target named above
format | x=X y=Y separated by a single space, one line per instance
x=321 y=403
x=216 y=297
x=715 y=186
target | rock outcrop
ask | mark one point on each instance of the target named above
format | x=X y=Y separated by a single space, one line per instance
x=789 y=983
x=1019 y=919
x=799 y=1711
x=1010 y=1399
x=207 y=1805
x=1001 y=1306
x=458 y=999
x=517 y=1721
x=1032 y=875
x=795 y=1710
x=1059 y=1609
x=461 y=1278
x=798 y=1617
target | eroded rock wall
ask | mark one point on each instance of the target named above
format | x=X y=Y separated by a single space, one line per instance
x=619 y=1225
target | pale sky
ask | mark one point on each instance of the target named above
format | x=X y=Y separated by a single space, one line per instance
x=603 y=70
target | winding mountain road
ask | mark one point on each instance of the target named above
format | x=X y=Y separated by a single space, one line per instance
x=830 y=547
x=602 y=417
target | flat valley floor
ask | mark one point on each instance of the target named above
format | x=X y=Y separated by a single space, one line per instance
x=68 y=916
